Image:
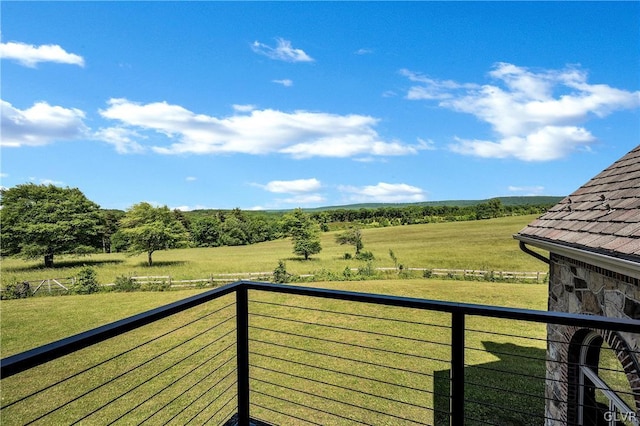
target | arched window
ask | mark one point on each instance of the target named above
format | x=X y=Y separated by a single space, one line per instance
x=599 y=388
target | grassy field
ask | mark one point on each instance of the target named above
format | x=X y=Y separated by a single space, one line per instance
x=486 y=245
x=142 y=386
x=27 y=323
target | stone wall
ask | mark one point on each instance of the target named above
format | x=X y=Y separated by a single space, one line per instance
x=578 y=287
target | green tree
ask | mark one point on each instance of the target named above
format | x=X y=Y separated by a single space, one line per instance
x=304 y=232
x=87 y=282
x=352 y=236
x=149 y=228
x=110 y=220
x=206 y=231
x=280 y=274
x=491 y=209
x=45 y=220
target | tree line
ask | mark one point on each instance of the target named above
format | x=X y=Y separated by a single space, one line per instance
x=47 y=220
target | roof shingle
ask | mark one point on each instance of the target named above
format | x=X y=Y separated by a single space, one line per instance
x=603 y=215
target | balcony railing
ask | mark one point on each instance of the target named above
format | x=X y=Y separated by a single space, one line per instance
x=260 y=353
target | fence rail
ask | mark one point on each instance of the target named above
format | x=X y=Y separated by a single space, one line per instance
x=62 y=285
x=297 y=355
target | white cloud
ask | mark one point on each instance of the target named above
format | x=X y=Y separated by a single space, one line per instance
x=427 y=145
x=30 y=55
x=191 y=178
x=363 y=51
x=293 y=186
x=303 y=191
x=4 y=175
x=51 y=182
x=285 y=82
x=244 y=108
x=527 y=190
x=546 y=143
x=430 y=88
x=348 y=145
x=536 y=115
x=123 y=139
x=283 y=51
x=40 y=124
x=300 y=134
x=383 y=193
x=185 y=208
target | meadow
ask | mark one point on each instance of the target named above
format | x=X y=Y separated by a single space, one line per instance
x=488 y=244
x=484 y=244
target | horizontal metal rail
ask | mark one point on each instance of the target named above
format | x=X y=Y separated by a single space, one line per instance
x=25 y=360
x=31 y=358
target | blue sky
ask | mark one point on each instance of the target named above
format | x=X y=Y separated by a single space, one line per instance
x=267 y=105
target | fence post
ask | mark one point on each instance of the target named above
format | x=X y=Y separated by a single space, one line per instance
x=457 y=368
x=242 y=356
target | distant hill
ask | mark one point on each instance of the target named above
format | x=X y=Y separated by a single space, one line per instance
x=506 y=201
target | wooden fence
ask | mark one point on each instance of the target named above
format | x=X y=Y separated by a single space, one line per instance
x=213 y=278
x=52 y=285
x=64 y=285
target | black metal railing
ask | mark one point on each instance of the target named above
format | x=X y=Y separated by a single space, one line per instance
x=251 y=353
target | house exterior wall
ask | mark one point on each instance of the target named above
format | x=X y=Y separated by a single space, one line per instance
x=579 y=287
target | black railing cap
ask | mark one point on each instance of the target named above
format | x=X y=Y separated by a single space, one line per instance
x=560 y=318
x=23 y=361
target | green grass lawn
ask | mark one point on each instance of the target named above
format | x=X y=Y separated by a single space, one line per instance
x=485 y=244
x=31 y=322
x=27 y=323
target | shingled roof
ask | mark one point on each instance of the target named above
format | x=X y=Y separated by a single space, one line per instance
x=601 y=217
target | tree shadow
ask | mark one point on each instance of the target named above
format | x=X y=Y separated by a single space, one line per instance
x=161 y=263
x=507 y=392
x=302 y=259
x=62 y=264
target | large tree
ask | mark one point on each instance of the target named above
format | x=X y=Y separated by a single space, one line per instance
x=149 y=228
x=45 y=220
x=304 y=233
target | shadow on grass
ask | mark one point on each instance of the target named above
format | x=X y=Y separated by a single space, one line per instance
x=302 y=259
x=161 y=263
x=505 y=392
x=61 y=264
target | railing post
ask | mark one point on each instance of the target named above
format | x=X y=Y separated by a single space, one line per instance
x=457 y=368
x=242 y=348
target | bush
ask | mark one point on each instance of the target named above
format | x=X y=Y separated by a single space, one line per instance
x=18 y=290
x=125 y=283
x=87 y=281
x=163 y=285
x=368 y=270
x=326 y=275
x=365 y=255
x=280 y=274
x=347 y=274
x=427 y=273
x=347 y=256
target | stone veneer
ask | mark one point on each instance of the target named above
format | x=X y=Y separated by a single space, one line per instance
x=578 y=287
